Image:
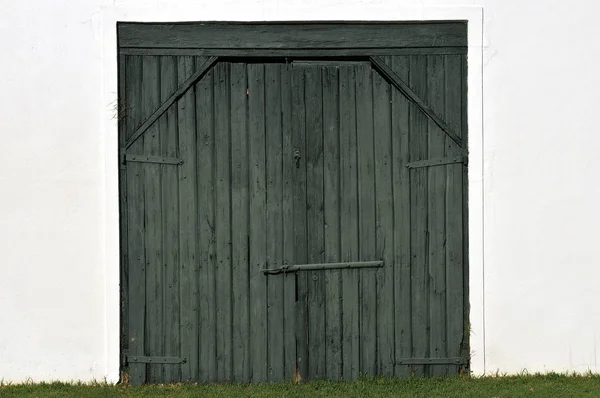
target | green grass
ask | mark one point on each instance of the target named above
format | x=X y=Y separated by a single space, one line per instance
x=546 y=385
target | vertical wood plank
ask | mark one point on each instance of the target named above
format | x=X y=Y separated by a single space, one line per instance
x=122 y=120
x=153 y=220
x=188 y=275
x=402 y=218
x=276 y=308
x=258 y=244
x=384 y=219
x=206 y=226
x=366 y=219
x=465 y=346
x=331 y=217
x=314 y=221
x=454 y=211
x=419 y=239
x=289 y=280
x=298 y=132
x=223 y=221
x=136 y=233
x=170 y=219
x=436 y=194
x=239 y=223
x=349 y=222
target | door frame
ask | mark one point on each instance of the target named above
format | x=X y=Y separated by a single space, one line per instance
x=474 y=284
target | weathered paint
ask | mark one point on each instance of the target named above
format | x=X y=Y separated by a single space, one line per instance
x=347 y=136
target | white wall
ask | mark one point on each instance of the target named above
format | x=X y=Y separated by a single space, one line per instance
x=58 y=205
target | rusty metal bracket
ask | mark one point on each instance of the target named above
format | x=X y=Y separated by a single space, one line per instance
x=152 y=159
x=431 y=361
x=437 y=162
x=159 y=360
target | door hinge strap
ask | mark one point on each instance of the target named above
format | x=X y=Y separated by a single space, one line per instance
x=322 y=266
x=143 y=359
x=431 y=361
x=437 y=162
x=152 y=159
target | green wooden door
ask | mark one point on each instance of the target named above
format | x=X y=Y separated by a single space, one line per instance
x=286 y=220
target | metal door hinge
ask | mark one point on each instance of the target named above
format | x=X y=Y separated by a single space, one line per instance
x=431 y=361
x=152 y=159
x=159 y=360
x=437 y=162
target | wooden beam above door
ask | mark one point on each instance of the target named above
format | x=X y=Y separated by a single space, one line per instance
x=296 y=35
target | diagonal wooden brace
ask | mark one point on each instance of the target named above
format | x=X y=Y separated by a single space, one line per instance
x=205 y=67
x=393 y=78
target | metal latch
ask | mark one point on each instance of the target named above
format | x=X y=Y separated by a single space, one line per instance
x=322 y=266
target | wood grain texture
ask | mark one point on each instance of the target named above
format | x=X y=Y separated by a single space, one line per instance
x=247 y=35
x=366 y=220
x=184 y=86
x=419 y=237
x=258 y=227
x=287 y=166
x=274 y=220
x=293 y=52
x=314 y=221
x=331 y=219
x=299 y=183
x=169 y=143
x=465 y=345
x=189 y=267
x=152 y=222
x=123 y=229
x=384 y=222
x=240 y=216
x=454 y=214
x=136 y=233
x=349 y=223
x=223 y=221
x=205 y=169
x=289 y=240
x=436 y=195
x=400 y=119
x=421 y=101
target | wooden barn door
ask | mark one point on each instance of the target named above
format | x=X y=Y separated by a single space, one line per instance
x=378 y=218
x=214 y=196
x=292 y=220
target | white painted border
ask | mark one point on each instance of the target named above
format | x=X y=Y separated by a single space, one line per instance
x=213 y=12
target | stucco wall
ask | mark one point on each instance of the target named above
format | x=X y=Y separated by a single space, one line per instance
x=533 y=247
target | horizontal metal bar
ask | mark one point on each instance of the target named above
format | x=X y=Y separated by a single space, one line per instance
x=312 y=267
x=152 y=159
x=437 y=162
x=142 y=359
x=292 y=52
x=431 y=361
